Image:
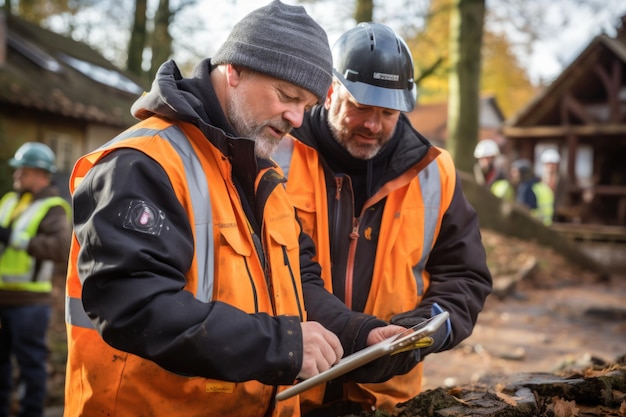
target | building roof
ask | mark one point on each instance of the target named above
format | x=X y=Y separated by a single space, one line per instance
x=44 y=71
x=579 y=79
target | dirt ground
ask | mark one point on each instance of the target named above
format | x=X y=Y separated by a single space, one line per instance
x=545 y=315
x=556 y=317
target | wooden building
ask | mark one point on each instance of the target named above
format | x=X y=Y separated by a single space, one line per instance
x=57 y=91
x=582 y=114
x=431 y=120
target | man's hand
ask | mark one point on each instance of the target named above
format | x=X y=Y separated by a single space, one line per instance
x=388 y=366
x=381 y=333
x=322 y=349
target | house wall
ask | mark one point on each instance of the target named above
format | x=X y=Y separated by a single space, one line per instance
x=98 y=135
x=69 y=138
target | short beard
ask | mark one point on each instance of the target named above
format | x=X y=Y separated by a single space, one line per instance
x=238 y=113
x=264 y=147
x=342 y=137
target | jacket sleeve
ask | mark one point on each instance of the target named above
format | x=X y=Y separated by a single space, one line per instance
x=132 y=268
x=459 y=278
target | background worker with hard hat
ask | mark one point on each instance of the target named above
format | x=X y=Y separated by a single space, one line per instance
x=550 y=160
x=531 y=192
x=551 y=176
x=394 y=233
x=35 y=232
x=487 y=172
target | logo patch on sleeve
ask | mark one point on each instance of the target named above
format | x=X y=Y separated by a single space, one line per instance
x=144 y=217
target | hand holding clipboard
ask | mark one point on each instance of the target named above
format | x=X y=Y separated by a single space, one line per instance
x=413 y=338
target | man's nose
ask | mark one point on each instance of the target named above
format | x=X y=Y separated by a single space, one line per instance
x=373 y=122
x=294 y=115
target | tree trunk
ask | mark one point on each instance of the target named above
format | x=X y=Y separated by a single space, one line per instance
x=364 y=10
x=138 y=37
x=161 y=38
x=466 y=30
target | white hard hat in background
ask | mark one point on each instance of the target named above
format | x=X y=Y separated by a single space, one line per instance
x=550 y=156
x=486 y=148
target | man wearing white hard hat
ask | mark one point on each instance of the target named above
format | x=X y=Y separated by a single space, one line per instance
x=550 y=159
x=487 y=173
x=550 y=175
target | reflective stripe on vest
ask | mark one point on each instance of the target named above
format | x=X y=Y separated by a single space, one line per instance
x=200 y=198
x=430 y=184
x=7 y=205
x=17 y=267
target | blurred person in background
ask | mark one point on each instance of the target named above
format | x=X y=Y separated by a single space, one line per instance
x=531 y=192
x=551 y=176
x=35 y=232
x=488 y=173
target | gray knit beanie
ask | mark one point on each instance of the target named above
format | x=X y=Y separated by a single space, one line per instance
x=284 y=42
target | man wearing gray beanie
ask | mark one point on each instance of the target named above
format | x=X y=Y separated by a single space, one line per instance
x=284 y=42
x=192 y=289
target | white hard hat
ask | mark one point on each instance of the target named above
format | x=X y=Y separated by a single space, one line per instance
x=550 y=156
x=486 y=148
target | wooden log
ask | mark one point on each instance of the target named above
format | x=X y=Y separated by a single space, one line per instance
x=587 y=393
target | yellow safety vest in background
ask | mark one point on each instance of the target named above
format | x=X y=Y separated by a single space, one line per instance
x=545 y=203
x=17 y=267
x=503 y=189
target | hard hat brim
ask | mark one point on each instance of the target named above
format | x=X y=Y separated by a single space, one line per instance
x=371 y=95
x=14 y=163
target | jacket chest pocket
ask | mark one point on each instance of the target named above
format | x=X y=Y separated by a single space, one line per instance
x=305 y=206
x=235 y=269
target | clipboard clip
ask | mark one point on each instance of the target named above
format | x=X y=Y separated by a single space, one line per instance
x=418 y=344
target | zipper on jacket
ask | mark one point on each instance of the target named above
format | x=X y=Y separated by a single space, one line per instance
x=338 y=187
x=339 y=184
x=354 y=238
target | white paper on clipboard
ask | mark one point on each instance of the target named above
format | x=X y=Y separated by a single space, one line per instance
x=370 y=353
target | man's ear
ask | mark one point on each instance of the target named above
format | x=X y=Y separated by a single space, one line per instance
x=328 y=99
x=233 y=75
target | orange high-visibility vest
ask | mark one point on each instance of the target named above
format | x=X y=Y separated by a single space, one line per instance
x=103 y=381
x=415 y=205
